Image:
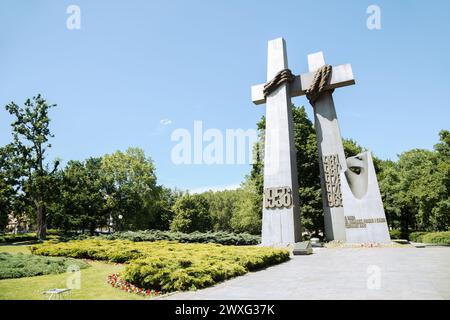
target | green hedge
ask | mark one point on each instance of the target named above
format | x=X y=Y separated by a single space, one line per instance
x=395 y=234
x=27 y=265
x=437 y=237
x=168 y=265
x=430 y=237
x=30 y=236
x=10 y=238
x=226 y=238
x=416 y=236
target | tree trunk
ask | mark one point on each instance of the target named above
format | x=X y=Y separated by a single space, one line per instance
x=405 y=223
x=41 y=220
x=92 y=229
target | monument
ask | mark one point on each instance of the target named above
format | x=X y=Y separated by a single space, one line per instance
x=281 y=217
x=353 y=210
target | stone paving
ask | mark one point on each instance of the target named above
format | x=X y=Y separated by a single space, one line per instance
x=344 y=273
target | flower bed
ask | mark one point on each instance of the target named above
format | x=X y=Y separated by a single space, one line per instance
x=117 y=282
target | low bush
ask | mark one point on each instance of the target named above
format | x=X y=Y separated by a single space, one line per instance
x=168 y=265
x=27 y=265
x=93 y=248
x=54 y=232
x=71 y=236
x=31 y=236
x=437 y=237
x=11 y=238
x=221 y=237
x=416 y=236
x=395 y=234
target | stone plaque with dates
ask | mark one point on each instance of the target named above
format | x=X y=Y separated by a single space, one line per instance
x=331 y=169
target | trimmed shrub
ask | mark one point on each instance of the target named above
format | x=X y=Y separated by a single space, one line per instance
x=27 y=265
x=31 y=236
x=221 y=237
x=115 y=251
x=168 y=265
x=416 y=236
x=10 y=238
x=395 y=234
x=54 y=232
x=437 y=237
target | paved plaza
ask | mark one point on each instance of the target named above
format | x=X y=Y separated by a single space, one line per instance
x=345 y=273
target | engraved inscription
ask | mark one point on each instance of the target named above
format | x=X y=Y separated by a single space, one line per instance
x=352 y=222
x=278 y=197
x=331 y=168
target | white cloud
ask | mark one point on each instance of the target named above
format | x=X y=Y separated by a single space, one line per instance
x=214 y=188
x=165 y=122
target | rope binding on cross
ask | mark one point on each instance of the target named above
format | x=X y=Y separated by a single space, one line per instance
x=281 y=77
x=321 y=81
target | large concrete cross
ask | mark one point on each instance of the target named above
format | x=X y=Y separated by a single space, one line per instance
x=281 y=215
x=281 y=218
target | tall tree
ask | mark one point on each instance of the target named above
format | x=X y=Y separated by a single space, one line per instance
x=441 y=211
x=132 y=190
x=161 y=212
x=81 y=202
x=388 y=180
x=222 y=205
x=191 y=214
x=8 y=185
x=415 y=189
x=248 y=210
x=31 y=133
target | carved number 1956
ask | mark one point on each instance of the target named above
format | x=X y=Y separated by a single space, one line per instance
x=278 y=197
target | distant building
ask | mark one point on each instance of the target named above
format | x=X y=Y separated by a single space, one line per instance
x=17 y=224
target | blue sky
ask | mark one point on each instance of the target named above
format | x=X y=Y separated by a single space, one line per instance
x=135 y=63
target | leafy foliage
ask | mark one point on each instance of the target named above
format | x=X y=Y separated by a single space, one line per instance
x=395 y=234
x=121 y=186
x=416 y=236
x=222 y=206
x=81 y=197
x=170 y=266
x=416 y=189
x=10 y=238
x=131 y=187
x=27 y=265
x=437 y=237
x=191 y=214
x=8 y=183
x=31 y=133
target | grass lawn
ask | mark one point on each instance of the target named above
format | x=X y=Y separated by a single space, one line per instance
x=93 y=283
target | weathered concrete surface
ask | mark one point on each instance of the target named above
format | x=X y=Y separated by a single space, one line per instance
x=360 y=194
x=405 y=273
x=329 y=142
x=280 y=225
x=364 y=205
